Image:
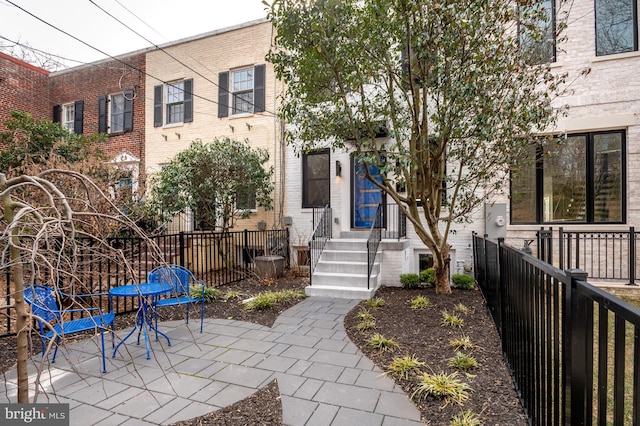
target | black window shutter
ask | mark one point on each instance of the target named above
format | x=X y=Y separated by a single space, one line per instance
x=157 y=106
x=102 y=114
x=258 y=88
x=78 y=112
x=188 y=101
x=128 y=110
x=56 y=113
x=223 y=94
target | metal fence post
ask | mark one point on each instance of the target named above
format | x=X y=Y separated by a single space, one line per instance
x=181 y=248
x=632 y=256
x=575 y=349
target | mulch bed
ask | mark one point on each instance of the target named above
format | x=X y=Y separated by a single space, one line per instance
x=418 y=333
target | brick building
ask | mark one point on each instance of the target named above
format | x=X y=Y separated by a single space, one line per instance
x=24 y=87
x=108 y=97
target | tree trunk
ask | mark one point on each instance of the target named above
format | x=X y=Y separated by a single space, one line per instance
x=19 y=305
x=441 y=263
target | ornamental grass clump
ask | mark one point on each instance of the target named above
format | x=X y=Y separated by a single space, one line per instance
x=463 y=362
x=466 y=418
x=269 y=299
x=210 y=293
x=403 y=366
x=420 y=302
x=463 y=343
x=366 y=325
x=461 y=308
x=378 y=341
x=442 y=386
x=375 y=302
x=451 y=320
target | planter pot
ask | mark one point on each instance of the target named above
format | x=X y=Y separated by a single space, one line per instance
x=267 y=267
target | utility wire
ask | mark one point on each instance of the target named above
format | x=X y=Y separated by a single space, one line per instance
x=108 y=55
x=163 y=50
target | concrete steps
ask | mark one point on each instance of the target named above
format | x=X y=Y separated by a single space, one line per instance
x=342 y=271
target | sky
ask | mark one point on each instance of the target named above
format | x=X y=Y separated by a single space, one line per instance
x=157 y=21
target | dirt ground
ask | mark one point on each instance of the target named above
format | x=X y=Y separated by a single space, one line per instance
x=417 y=332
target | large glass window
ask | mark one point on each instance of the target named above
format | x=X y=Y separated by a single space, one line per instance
x=242 y=91
x=537 y=32
x=315 y=179
x=573 y=179
x=175 y=102
x=616 y=26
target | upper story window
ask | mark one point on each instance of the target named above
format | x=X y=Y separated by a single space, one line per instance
x=537 y=32
x=579 y=178
x=246 y=198
x=616 y=26
x=173 y=103
x=115 y=112
x=316 y=177
x=241 y=91
x=67 y=116
x=70 y=116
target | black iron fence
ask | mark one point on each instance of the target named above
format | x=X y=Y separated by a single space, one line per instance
x=604 y=255
x=573 y=349
x=217 y=258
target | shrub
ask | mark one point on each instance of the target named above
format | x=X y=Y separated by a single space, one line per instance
x=462 y=281
x=378 y=341
x=410 y=281
x=403 y=366
x=443 y=386
x=375 y=302
x=420 y=302
x=463 y=362
x=428 y=276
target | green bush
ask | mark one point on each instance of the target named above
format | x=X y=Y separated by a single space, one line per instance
x=410 y=281
x=428 y=276
x=462 y=281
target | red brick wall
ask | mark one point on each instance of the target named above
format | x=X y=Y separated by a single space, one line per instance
x=89 y=82
x=23 y=87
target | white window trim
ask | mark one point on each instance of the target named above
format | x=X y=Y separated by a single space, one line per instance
x=70 y=125
x=166 y=103
x=110 y=116
x=232 y=92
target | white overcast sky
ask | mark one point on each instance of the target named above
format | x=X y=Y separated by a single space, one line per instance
x=159 y=21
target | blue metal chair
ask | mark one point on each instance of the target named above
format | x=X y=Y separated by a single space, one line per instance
x=44 y=305
x=179 y=278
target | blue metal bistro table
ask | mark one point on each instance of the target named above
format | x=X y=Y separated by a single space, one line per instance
x=146 y=293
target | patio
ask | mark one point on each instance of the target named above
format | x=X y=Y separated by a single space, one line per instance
x=322 y=376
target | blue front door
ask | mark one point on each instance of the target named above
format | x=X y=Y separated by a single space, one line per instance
x=366 y=195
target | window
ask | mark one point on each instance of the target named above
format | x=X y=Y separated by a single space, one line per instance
x=246 y=199
x=616 y=26
x=573 y=179
x=70 y=116
x=117 y=114
x=68 y=113
x=537 y=32
x=315 y=179
x=173 y=103
x=242 y=91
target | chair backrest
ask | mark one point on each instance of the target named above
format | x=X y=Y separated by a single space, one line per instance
x=42 y=300
x=176 y=276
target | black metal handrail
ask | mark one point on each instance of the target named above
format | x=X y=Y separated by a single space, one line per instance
x=571 y=347
x=373 y=242
x=321 y=234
